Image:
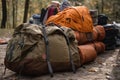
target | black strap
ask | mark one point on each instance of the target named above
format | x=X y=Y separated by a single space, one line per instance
x=47 y=51
x=68 y=43
x=89 y=36
x=10 y=53
x=21 y=44
x=70 y=54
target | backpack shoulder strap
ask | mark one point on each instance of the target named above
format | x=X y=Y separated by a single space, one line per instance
x=47 y=51
x=68 y=43
x=70 y=54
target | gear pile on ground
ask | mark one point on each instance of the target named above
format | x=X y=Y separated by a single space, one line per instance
x=68 y=41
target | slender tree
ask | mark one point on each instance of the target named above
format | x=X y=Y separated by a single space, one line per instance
x=102 y=9
x=16 y=10
x=4 y=14
x=13 y=12
x=26 y=10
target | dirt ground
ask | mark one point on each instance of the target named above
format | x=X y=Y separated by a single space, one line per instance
x=105 y=67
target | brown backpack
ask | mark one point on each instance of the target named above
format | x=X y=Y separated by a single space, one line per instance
x=37 y=50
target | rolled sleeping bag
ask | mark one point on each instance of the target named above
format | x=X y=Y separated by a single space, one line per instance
x=99 y=46
x=83 y=38
x=87 y=53
x=98 y=34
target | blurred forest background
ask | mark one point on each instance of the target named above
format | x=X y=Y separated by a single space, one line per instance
x=15 y=12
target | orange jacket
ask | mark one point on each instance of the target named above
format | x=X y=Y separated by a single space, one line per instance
x=77 y=18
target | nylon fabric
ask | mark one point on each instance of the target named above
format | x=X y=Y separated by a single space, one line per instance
x=76 y=18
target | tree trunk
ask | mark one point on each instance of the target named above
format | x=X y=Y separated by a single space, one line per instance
x=26 y=11
x=16 y=10
x=102 y=10
x=31 y=8
x=4 y=14
x=13 y=12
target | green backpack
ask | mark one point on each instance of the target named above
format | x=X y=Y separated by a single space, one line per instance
x=37 y=50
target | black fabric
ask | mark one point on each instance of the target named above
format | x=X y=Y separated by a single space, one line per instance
x=55 y=11
x=43 y=12
x=111 y=32
x=31 y=21
x=110 y=41
x=110 y=36
x=110 y=47
x=102 y=19
x=36 y=16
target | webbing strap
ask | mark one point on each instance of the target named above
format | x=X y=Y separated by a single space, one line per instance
x=98 y=33
x=47 y=51
x=94 y=45
x=10 y=53
x=89 y=36
x=68 y=43
x=70 y=54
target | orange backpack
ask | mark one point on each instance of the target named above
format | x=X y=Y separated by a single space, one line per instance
x=77 y=18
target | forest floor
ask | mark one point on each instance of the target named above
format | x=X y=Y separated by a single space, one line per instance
x=105 y=67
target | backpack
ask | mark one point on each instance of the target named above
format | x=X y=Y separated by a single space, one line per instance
x=110 y=36
x=117 y=26
x=102 y=19
x=77 y=18
x=31 y=51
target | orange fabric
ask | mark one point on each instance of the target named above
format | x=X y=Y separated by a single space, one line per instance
x=3 y=41
x=82 y=37
x=87 y=53
x=77 y=18
x=99 y=46
x=98 y=34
